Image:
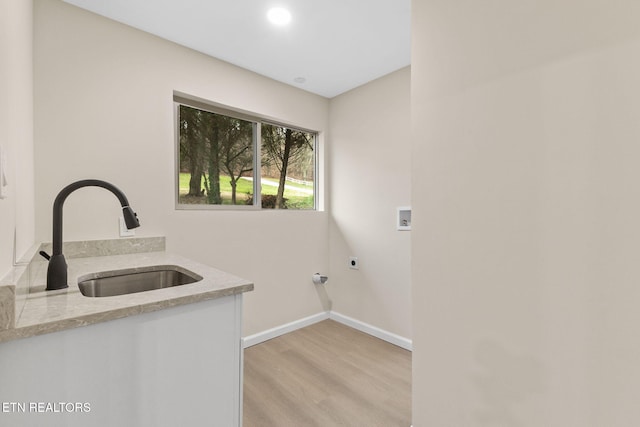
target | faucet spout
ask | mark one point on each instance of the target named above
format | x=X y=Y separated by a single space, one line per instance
x=57 y=270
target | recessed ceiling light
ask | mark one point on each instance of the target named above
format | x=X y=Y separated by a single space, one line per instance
x=279 y=16
x=299 y=80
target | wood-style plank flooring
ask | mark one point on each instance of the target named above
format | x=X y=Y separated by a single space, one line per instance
x=324 y=375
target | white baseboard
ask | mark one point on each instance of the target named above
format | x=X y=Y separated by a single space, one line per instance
x=392 y=338
x=387 y=336
x=283 y=329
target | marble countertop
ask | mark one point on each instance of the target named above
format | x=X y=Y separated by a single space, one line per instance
x=50 y=311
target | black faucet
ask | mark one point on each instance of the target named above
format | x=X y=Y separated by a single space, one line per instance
x=57 y=271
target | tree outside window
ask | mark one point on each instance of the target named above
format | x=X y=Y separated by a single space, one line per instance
x=288 y=159
x=218 y=162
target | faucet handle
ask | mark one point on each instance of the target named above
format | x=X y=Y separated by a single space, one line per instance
x=45 y=255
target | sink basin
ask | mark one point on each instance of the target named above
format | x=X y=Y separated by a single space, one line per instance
x=133 y=280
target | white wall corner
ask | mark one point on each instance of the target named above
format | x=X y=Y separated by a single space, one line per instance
x=387 y=336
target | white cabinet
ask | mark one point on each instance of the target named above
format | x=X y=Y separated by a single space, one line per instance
x=180 y=366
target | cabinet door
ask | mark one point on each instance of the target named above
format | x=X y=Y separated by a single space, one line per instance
x=177 y=366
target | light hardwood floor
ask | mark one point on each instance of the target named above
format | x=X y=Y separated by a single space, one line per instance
x=324 y=375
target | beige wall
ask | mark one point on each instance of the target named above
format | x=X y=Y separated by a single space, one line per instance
x=370 y=177
x=526 y=196
x=16 y=129
x=104 y=109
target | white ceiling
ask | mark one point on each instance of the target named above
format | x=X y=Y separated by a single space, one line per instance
x=335 y=45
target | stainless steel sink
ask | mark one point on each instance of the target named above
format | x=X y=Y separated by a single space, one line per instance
x=129 y=281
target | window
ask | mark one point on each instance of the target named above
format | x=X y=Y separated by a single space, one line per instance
x=288 y=167
x=229 y=159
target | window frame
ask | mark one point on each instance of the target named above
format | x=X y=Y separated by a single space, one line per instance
x=257 y=121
